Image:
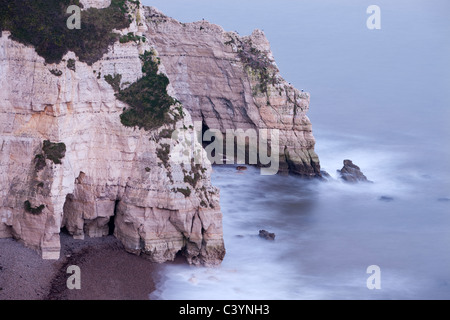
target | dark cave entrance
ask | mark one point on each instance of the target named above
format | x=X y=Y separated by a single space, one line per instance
x=112 y=220
x=204 y=129
x=64 y=230
x=215 y=152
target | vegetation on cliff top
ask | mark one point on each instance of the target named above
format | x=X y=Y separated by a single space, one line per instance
x=132 y=37
x=185 y=191
x=43 y=24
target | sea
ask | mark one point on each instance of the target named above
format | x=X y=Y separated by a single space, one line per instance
x=380 y=97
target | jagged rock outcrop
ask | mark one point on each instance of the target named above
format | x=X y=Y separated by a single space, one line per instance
x=266 y=235
x=352 y=173
x=108 y=173
x=232 y=82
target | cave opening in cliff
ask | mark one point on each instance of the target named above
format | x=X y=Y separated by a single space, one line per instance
x=112 y=220
x=204 y=129
x=180 y=257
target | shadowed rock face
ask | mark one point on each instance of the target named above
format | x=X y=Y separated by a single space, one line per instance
x=108 y=173
x=232 y=82
x=352 y=173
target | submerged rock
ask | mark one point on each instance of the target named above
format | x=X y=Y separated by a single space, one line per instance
x=386 y=199
x=266 y=235
x=352 y=173
x=241 y=168
x=325 y=175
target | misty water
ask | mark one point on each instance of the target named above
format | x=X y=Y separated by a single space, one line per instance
x=380 y=98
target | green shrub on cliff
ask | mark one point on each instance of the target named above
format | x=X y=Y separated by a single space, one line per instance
x=185 y=191
x=258 y=65
x=56 y=72
x=114 y=81
x=43 y=24
x=54 y=151
x=148 y=98
x=33 y=210
x=131 y=37
x=71 y=64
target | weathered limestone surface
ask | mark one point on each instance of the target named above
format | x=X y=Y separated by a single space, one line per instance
x=108 y=172
x=121 y=180
x=217 y=75
x=352 y=173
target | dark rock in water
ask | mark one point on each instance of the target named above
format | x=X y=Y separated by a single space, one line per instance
x=266 y=235
x=352 y=173
x=444 y=199
x=241 y=168
x=386 y=199
x=325 y=175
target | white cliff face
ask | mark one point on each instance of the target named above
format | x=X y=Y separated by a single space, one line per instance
x=109 y=172
x=99 y=4
x=232 y=82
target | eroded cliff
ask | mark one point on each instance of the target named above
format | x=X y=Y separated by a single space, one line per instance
x=232 y=82
x=67 y=161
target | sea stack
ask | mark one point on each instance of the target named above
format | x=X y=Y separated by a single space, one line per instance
x=352 y=173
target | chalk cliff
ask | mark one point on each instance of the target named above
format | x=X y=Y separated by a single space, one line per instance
x=232 y=82
x=68 y=161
